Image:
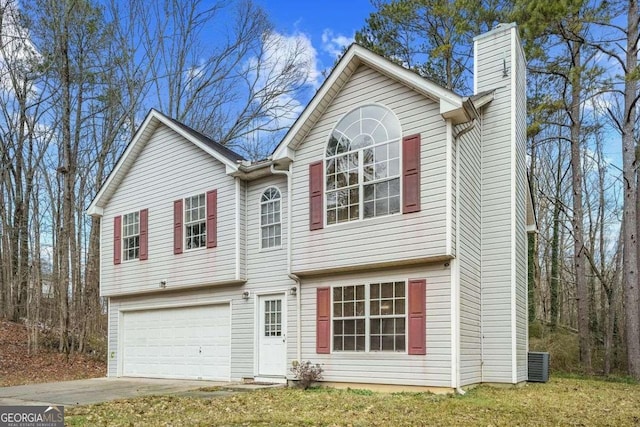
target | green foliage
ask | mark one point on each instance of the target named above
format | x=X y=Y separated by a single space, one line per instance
x=306 y=373
x=432 y=37
x=561 y=344
x=361 y=392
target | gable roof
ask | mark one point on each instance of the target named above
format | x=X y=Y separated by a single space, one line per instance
x=451 y=104
x=151 y=122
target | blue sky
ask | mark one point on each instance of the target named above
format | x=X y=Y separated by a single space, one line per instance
x=327 y=24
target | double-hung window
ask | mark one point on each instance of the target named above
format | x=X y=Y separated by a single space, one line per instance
x=270 y=218
x=131 y=236
x=362 y=166
x=370 y=317
x=195 y=222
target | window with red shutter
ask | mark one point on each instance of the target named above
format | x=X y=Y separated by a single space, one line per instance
x=316 y=213
x=144 y=234
x=411 y=174
x=177 y=227
x=417 y=317
x=212 y=219
x=117 y=242
x=323 y=321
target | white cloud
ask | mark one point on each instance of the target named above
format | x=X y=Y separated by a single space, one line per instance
x=334 y=44
x=283 y=72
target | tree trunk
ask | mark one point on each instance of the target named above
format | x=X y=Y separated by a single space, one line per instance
x=577 y=221
x=630 y=193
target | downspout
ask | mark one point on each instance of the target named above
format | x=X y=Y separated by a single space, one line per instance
x=290 y=274
x=237 y=236
x=456 y=137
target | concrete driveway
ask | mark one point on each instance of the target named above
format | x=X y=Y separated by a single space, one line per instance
x=96 y=390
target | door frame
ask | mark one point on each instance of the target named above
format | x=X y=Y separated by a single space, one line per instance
x=257 y=331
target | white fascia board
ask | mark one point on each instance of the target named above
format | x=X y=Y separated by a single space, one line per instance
x=95 y=211
x=283 y=150
x=449 y=101
x=230 y=166
x=96 y=207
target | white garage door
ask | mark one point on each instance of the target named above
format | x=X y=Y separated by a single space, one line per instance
x=184 y=342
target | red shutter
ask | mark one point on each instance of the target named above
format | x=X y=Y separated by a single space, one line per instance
x=417 y=317
x=411 y=173
x=316 y=221
x=323 y=321
x=117 y=240
x=177 y=227
x=212 y=218
x=144 y=234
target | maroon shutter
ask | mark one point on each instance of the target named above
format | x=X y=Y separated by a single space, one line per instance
x=117 y=240
x=177 y=227
x=212 y=218
x=411 y=173
x=417 y=317
x=315 y=196
x=323 y=321
x=144 y=234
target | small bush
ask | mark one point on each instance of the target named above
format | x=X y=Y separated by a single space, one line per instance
x=306 y=373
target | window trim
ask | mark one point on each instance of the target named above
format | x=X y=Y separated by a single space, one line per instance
x=281 y=199
x=367 y=317
x=184 y=222
x=123 y=238
x=361 y=183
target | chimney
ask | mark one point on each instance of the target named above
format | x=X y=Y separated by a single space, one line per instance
x=500 y=66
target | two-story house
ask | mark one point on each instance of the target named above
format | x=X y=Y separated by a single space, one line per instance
x=385 y=237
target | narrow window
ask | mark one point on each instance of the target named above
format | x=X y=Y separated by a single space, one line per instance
x=349 y=318
x=387 y=317
x=195 y=222
x=270 y=218
x=131 y=236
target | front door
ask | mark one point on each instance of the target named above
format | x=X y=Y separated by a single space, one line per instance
x=272 y=342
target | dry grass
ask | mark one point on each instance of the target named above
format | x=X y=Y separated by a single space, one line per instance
x=562 y=401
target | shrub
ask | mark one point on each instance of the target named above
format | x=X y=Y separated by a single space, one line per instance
x=306 y=373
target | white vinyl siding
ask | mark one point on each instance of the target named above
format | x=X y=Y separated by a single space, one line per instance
x=522 y=331
x=502 y=151
x=382 y=367
x=468 y=252
x=423 y=233
x=169 y=168
x=266 y=274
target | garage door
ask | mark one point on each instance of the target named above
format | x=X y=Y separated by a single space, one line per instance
x=184 y=342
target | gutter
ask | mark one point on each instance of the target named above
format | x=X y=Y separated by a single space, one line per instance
x=456 y=269
x=290 y=274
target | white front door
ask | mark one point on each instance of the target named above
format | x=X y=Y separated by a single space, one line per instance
x=272 y=338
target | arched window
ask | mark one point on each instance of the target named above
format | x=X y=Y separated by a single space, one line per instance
x=362 y=165
x=270 y=218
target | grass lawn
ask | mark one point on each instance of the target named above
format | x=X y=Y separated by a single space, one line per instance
x=562 y=401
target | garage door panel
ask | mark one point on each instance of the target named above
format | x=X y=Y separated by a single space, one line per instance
x=185 y=342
